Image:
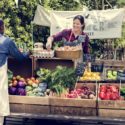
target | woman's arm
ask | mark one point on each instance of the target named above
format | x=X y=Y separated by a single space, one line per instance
x=56 y=37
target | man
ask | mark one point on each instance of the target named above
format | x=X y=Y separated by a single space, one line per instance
x=7 y=48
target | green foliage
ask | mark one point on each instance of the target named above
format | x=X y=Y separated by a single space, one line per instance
x=18 y=20
x=44 y=75
x=120 y=3
x=62 y=78
x=65 y=5
x=59 y=79
x=120 y=43
x=98 y=5
x=97 y=47
x=40 y=33
x=10 y=75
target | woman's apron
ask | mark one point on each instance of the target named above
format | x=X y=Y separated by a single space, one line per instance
x=79 y=60
x=4 y=97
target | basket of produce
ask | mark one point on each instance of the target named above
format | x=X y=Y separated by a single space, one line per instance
x=109 y=92
x=90 y=76
x=83 y=91
x=111 y=74
x=68 y=52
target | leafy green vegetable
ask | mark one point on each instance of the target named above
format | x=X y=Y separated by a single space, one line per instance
x=43 y=75
x=62 y=78
x=10 y=75
x=122 y=91
x=59 y=79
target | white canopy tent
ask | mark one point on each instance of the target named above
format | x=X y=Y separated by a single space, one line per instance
x=100 y=24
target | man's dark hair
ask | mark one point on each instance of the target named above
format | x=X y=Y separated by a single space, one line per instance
x=1 y=26
x=1 y=22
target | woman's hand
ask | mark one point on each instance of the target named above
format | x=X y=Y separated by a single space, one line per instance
x=49 y=43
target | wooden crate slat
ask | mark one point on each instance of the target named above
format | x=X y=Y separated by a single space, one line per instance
x=29 y=100
x=111 y=113
x=72 y=102
x=109 y=104
x=73 y=111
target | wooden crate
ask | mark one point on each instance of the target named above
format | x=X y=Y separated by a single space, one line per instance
x=51 y=63
x=27 y=104
x=74 y=107
x=24 y=68
x=110 y=108
x=112 y=63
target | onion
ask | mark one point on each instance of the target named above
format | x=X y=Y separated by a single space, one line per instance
x=21 y=84
x=12 y=90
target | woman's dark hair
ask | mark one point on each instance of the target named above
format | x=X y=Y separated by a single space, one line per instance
x=81 y=19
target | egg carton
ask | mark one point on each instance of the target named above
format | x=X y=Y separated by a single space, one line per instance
x=47 y=54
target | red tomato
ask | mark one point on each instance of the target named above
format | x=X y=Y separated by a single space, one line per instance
x=102 y=95
x=113 y=88
x=114 y=96
x=103 y=88
x=108 y=95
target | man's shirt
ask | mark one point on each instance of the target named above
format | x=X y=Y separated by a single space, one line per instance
x=8 y=48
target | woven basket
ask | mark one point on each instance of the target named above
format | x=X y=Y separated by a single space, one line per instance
x=68 y=54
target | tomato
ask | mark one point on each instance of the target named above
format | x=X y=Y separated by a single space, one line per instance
x=113 y=88
x=108 y=95
x=114 y=96
x=108 y=90
x=102 y=95
x=103 y=88
x=79 y=91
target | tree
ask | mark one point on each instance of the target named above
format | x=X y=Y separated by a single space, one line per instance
x=98 y=4
x=121 y=3
x=18 y=20
x=65 y=5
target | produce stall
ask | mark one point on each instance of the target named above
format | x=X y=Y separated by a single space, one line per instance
x=48 y=84
x=65 y=102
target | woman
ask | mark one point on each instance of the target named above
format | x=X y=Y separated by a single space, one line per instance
x=7 y=48
x=75 y=35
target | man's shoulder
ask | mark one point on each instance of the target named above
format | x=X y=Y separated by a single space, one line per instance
x=5 y=39
x=8 y=39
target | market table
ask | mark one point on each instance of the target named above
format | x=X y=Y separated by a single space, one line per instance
x=41 y=107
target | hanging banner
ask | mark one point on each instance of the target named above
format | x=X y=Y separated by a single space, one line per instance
x=42 y=16
x=16 y=1
x=99 y=24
